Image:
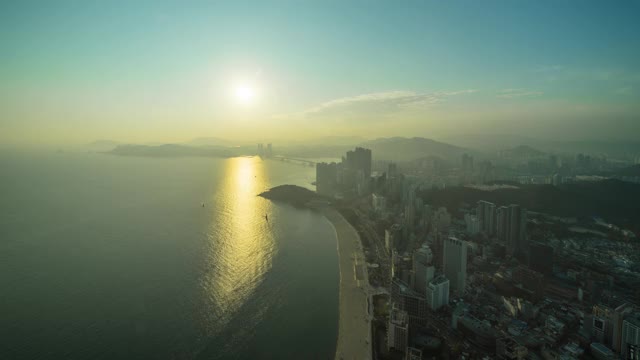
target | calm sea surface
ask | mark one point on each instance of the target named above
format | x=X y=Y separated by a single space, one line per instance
x=105 y=257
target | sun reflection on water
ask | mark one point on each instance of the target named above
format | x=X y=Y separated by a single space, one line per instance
x=241 y=243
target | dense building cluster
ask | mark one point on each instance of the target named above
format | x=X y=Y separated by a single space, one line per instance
x=486 y=279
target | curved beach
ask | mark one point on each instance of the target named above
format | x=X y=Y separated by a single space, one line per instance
x=354 y=340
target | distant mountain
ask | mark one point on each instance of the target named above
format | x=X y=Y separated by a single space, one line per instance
x=171 y=150
x=338 y=140
x=407 y=149
x=496 y=142
x=101 y=145
x=210 y=141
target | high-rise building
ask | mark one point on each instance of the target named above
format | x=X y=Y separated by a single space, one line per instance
x=511 y=226
x=398 y=330
x=486 y=213
x=602 y=328
x=473 y=224
x=423 y=269
x=619 y=314
x=455 y=263
x=326 y=178
x=501 y=222
x=517 y=229
x=413 y=303
x=360 y=159
x=630 y=342
x=438 y=292
x=356 y=170
x=392 y=171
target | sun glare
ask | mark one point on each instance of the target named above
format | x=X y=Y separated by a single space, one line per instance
x=244 y=94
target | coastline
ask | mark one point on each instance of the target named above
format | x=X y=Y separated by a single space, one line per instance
x=354 y=329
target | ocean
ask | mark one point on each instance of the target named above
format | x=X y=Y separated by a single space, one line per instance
x=106 y=257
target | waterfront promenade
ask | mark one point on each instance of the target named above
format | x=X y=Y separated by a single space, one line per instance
x=354 y=339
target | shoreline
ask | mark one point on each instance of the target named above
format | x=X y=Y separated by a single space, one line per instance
x=354 y=324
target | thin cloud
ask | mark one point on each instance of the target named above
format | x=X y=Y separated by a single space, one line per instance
x=388 y=100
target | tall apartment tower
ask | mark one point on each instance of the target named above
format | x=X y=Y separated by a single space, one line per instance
x=516 y=231
x=455 y=263
x=502 y=214
x=486 y=214
x=438 y=292
x=423 y=270
x=326 y=178
x=398 y=330
x=630 y=342
x=511 y=227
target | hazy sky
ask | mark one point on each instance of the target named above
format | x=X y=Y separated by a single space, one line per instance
x=75 y=71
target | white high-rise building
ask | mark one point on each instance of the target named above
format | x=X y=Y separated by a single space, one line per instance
x=454 y=260
x=438 y=292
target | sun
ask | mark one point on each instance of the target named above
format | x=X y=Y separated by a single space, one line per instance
x=244 y=94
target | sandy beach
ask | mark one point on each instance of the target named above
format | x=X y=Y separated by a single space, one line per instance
x=354 y=340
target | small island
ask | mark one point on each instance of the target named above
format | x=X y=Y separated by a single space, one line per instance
x=295 y=195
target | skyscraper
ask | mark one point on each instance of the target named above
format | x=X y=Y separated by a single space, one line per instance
x=360 y=159
x=438 y=292
x=486 y=213
x=398 y=330
x=630 y=342
x=501 y=223
x=423 y=270
x=326 y=178
x=516 y=230
x=455 y=263
x=619 y=315
x=511 y=227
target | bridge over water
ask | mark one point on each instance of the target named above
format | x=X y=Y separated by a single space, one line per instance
x=298 y=160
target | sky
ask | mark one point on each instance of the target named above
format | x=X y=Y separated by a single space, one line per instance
x=168 y=71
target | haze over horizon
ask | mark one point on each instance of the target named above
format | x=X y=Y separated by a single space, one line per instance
x=73 y=72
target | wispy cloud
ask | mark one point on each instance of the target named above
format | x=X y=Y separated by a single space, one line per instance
x=388 y=100
x=517 y=93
